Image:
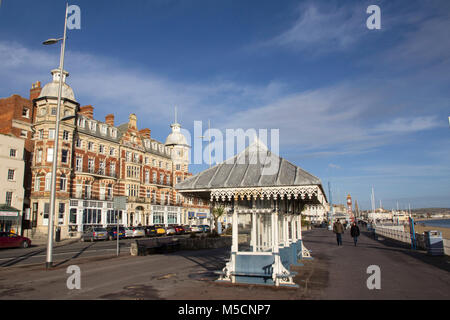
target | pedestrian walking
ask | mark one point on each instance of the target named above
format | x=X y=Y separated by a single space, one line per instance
x=354 y=232
x=338 y=228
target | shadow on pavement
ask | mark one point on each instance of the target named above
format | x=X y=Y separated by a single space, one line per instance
x=21 y=258
x=441 y=262
x=75 y=256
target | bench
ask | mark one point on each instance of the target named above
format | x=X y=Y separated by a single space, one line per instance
x=254 y=269
x=142 y=247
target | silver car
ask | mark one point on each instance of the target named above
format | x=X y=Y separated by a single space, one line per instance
x=170 y=230
x=138 y=232
x=94 y=233
x=134 y=232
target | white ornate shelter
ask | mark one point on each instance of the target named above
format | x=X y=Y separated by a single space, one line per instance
x=266 y=195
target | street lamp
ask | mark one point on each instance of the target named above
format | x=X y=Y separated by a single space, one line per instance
x=49 y=259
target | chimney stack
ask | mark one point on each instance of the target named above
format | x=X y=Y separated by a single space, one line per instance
x=109 y=119
x=87 y=111
x=145 y=133
x=35 y=90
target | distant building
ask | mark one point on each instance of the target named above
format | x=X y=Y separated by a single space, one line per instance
x=17 y=115
x=12 y=192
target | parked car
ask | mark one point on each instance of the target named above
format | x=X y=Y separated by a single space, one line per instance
x=94 y=233
x=170 y=230
x=150 y=231
x=138 y=232
x=160 y=230
x=180 y=230
x=112 y=232
x=187 y=229
x=11 y=240
x=196 y=229
x=205 y=228
x=129 y=232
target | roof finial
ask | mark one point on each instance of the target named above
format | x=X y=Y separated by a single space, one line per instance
x=175 y=113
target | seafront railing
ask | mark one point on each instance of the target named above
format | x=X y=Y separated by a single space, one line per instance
x=405 y=237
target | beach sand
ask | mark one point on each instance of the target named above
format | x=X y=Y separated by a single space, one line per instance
x=420 y=229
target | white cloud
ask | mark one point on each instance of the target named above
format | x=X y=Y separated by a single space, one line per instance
x=322 y=28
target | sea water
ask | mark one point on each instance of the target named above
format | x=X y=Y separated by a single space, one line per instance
x=443 y=223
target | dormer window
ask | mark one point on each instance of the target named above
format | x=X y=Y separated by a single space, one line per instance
x=113 y=132
x=92 y=125
x=103 y=129
x=81 y=122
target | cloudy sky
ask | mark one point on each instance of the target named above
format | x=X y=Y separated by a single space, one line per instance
x=358 y=108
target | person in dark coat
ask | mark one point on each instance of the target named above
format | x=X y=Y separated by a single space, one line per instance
x=338 y=228
x=354 y=232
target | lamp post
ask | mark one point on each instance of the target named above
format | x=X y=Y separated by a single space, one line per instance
x=49 y=259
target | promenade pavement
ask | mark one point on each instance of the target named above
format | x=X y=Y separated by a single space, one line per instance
x=334 y=273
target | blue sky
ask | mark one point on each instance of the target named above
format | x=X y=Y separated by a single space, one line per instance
x=354 y=106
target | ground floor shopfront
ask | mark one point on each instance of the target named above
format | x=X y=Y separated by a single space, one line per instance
x=73 y=216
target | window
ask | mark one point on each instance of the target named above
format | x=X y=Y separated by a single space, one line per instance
x=73 y=216
x=90 y=146
x=111 y=151
x=51 y=133
x=102 y=166
x=65 y=135
x=49 y=154
x=128 y=156
x=101 y=148
x=12 y=153
x=81 y=122
x=48 y=181
x=91 y=165
x=78 y=143
x=87 y=191
x=23 y=133
x=112 y=169
x=43 y=111
x=53 y=111
x=132 y=190
x=160 y=164
x=178 y=167
x=148 y=193
x=8 y=198
x=113 y=132
x=154 y=177
x=63 y=182
x=39 y=156
x=37 y=183
x=178 y=179
x=11 y=174
x=153 y=196
x=41 y=134
x=154 y=162
x=65 y=156
x=25 y=112
x=161 y=178
x=103 y=129
x=92 y=125
x=79 y=189
x=79 y=164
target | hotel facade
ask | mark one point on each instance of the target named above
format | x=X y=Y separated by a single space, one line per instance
x=98 y=161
